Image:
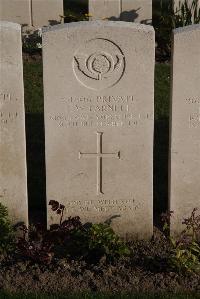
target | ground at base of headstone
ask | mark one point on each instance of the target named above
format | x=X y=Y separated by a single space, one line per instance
x=97 y=295
x=144 y=271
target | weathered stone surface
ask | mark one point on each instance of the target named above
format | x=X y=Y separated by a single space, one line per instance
x=98 y=90
x=185 y=125
x=106 y=9
x=125 y=10
x=139 y=11
x=46 y=12
x=13 y=188
x=18 y=11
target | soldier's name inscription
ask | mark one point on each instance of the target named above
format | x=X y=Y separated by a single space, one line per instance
x=99 y=111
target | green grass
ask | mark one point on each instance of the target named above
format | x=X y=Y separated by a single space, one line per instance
x=75 y=10
x=161 y=139
x=34 y=106
x=35 y=137
x=101 y=296
x=162 y=91
x=33 y=87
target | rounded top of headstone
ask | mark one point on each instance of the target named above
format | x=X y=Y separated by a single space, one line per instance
x=102 y=24
x=186 y=29
x=10 y=25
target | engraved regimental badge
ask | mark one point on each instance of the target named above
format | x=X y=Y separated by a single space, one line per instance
x=99 y=64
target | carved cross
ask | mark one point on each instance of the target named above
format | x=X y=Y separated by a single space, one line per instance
x=99 y=156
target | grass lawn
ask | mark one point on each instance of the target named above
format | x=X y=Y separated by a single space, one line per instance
x=35 y=137
x=99 y=296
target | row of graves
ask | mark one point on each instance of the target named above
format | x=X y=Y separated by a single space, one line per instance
x=99 y=123
x=38 y=13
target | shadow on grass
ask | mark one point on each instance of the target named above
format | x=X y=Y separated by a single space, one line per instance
x=161 y=148
x=36 y=167
x=77 y=6
x=75 y=10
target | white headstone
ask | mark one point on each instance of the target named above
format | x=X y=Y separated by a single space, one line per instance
x=139 y=11
x=17 y=11
x=106 y=9
x=13 y=187
x=98 y=91
x=47 y=12
x=185 y=125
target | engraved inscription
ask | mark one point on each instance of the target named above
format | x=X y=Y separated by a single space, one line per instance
x=7 y=113
x=194 y=117
x=7 y=97
x=100 y=111
x=99 y=64
x=99 y=155
x=193 y=101
x=3 y=192
x=102 y=205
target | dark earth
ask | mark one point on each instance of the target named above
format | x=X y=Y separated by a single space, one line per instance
x=146 y=270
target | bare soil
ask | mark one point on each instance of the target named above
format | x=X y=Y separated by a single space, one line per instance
x=146 y=270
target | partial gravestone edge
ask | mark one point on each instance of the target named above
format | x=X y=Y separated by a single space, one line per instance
x=6 y=24
x=180 y=30
x=13 y=170
x=120 y=24
x=184 y=149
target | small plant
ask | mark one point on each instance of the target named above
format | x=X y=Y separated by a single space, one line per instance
x=187 y=13
x=75 y=11
x=70 y=238
x=40 y=244
x=6 y=231
x=104 y=239
x=193 y=226
x=165 y=218
x=75 y=17
x=34 y=244
x=93 y=241
x=32 y=40
x=166 y=19
x=185 y=252
x=185 y=257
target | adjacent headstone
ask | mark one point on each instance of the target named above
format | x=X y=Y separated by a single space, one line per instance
x=125 y=10
x=13 y=187
x=98 y=93
x=185 y=126
x=47 y=12
x=18 y=11
x=104 y=9
x=139 y=11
